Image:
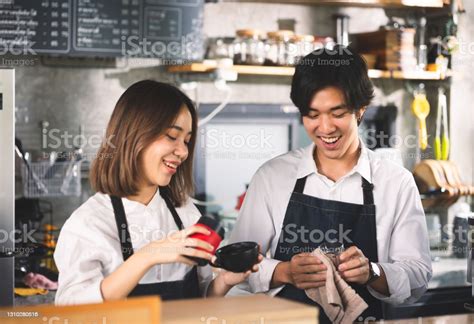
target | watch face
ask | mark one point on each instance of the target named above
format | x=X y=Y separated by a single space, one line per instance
x=376 y=269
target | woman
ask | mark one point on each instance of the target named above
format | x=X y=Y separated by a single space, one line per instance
x=129 y=238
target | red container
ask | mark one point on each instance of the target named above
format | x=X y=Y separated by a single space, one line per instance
x=215 y=238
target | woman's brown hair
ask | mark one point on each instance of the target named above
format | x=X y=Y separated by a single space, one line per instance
x=143 y=113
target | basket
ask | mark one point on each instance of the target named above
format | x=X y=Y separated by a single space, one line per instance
x=43 y=179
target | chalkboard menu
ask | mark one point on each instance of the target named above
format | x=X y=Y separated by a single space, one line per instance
x=169 y=29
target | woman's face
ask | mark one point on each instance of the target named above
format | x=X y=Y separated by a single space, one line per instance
x=161 y=159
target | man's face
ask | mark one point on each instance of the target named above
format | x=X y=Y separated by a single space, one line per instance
x=331 y=125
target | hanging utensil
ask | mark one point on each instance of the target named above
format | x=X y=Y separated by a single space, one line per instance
x=445 y=138
x=421 y=108
x=437 y=140
x=441 y=144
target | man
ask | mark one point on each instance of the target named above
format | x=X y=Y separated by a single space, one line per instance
x=336 y=190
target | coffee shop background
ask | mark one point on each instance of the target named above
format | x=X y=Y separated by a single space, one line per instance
x=74 y=95
x=71 y=96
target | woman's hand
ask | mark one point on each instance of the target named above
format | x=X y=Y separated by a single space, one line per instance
x=174 y=248
x=177 y=247
x=225 y=280
x=232 y=278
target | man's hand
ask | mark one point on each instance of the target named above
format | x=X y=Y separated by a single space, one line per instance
x=306 y=271
x=354 y=266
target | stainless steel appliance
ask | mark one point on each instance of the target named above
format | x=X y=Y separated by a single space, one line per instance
x=7 y=188
x=470 y=254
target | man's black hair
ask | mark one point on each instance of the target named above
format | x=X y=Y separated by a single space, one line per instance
x=339 y=67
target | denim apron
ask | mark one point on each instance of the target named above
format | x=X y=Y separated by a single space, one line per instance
x=312 y=213
x=188 y=287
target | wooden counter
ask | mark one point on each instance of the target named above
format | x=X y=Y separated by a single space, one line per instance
x=455 y=319
x=256 y=309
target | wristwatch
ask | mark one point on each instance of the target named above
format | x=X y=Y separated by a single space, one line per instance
x=374 y=272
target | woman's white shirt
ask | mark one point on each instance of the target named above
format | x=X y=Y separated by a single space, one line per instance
x=88 y=248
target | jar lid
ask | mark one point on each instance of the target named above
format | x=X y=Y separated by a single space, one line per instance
x=212 y=223
x=304 y=38
x=249 y=33
x=281 y=34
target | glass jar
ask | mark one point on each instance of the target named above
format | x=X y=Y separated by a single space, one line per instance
x=249 y=47
x=304 y=45
x=437 y=59
x=220 y=48
x=281 y=48
x=321 y=42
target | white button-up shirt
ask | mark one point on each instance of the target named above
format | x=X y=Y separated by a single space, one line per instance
x=88 y=247
x=402 y=237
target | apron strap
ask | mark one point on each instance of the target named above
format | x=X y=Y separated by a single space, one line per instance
x=122 y=225
x=177 y=219
x=368 y=188
x=299 y=186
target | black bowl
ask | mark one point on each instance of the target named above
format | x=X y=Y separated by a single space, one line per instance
x=237 y=257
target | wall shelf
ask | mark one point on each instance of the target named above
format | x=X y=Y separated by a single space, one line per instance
x=200 y=68
x=359 y=3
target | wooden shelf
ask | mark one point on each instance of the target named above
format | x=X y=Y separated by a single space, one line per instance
x=407 y=75
x=289 y=71
x=359 y=3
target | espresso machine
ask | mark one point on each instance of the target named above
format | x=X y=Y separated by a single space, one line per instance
x=470 y=256
x=7 y=180
x=470 y=260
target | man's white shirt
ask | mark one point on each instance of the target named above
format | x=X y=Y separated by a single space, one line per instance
x=402 y=237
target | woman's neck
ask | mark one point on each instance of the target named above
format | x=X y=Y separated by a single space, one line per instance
x=145 y=195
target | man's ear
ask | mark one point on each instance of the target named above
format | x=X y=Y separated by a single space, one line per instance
x=359 y=114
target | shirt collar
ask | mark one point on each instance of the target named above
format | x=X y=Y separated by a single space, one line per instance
x=363 y=164
x=132 y=206
x=307 y=165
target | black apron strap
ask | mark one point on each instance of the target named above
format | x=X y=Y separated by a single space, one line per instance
x=367 y=189
x=177 y=220
x=168 y=290
x=299 y=186
x=122 y=227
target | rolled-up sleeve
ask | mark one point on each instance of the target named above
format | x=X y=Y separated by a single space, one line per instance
x=255 y=223
x=80 y=261
x=408 y=269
